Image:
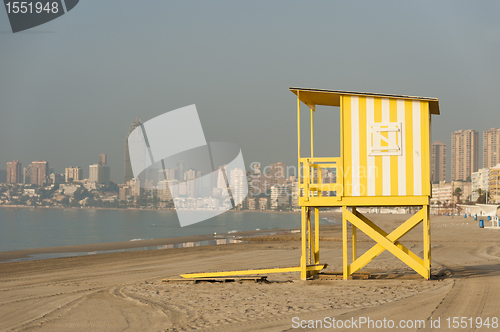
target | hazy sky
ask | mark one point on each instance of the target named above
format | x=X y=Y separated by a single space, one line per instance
x=70 y=88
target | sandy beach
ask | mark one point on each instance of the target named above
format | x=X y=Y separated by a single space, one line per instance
x=123 y=291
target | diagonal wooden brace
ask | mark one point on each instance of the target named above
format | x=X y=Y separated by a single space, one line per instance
x=381 y=237
x=395 y=235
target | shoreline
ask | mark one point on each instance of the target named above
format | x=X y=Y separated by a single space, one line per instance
x=102 y=248
x=130 y=208
x=9 y=256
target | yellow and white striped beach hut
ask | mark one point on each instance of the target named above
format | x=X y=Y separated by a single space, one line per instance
x=384 y=161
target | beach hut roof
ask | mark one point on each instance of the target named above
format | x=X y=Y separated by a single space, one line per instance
x=322 y=97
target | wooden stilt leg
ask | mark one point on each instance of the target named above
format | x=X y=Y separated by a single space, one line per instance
x=309 y=237
x=316 y=234
x=344 y=243
x=427 y=241
x=354 y=249
x=303 y=258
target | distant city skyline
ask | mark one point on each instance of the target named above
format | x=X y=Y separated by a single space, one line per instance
x=69 y=89
x=464 y=153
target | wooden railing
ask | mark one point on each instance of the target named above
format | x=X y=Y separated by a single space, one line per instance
x=310 y=186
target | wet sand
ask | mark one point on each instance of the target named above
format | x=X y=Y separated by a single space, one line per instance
x=123 y=291
x=90 y=249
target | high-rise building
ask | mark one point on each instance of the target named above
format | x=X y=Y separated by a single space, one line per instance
x=480 y=183
x=124 y=193
x=99 y=174
x=221 y=178
x=135 y=185
x=238 y=182
x=182 y=189
x=74 y=173
x=254 y=179
x=279 y=197
x=14 y=172
x=180 y=170
x=295 y=194
x=271 y=175
x=277 y=174
x=464 y=154
x=191 y=183
x=256 y=168
x=438 y=163
x=168 y=190
x=39 y=172
x=212 y=183
x=251 y=203
x=263 y=203
x=491 y=148
x=27 y=174
x=170 y=174
x=442 y=194
x=494 y=185
x=128 y=166
x=151 y=176
x=103 y=158
x=258 y=184
x=55 y=178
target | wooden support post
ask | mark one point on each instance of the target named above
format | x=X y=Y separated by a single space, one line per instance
x=427 y=240
x=312 y=132
x=303 y=258
x=316 y=234
x=319 y=182
x=344 y=243
x=298 y=129
x=310 y=237
x=354 y=248
x=307 y=181
x=429 y=227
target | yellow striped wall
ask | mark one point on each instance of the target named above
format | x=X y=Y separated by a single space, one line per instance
x=407 y=174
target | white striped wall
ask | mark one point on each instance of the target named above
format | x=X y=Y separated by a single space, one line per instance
x=409 y=171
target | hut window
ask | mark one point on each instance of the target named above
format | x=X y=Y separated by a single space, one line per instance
x=385 y=139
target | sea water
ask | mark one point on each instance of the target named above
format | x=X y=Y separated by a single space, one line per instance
x=24 y=228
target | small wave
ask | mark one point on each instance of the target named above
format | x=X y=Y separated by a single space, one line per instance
x=233 y=231
x=136 y=239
